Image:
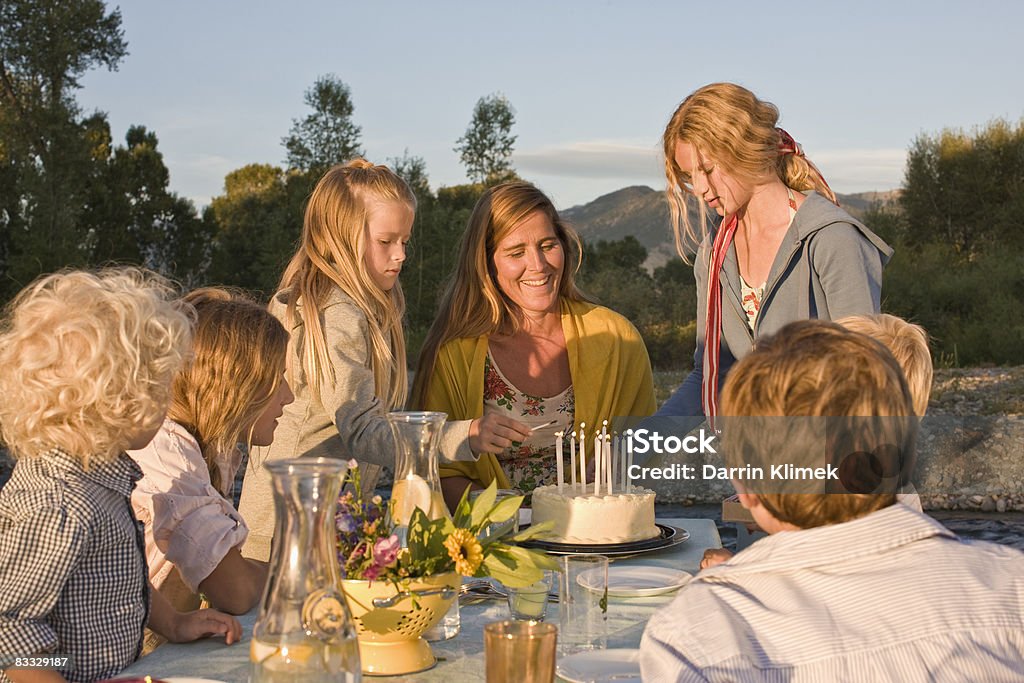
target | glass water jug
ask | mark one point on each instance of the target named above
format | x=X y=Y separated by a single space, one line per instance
x=418 y=485
x=305 y=630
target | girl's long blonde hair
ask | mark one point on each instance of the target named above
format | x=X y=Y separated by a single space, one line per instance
x=238 y=360
x=331 y=255
x=473 y=304
x=734 y=128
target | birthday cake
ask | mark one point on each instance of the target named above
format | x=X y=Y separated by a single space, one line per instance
x=582 y=517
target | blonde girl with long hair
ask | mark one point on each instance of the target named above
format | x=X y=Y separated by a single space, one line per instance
x=782 y=250
x=341 y=301
x=230 y=394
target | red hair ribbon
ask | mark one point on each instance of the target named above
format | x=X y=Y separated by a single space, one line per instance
x=787 y=145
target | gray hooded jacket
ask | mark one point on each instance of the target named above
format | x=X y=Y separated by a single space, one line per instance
x=829 y=265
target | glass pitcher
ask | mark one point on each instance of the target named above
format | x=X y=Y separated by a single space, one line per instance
x=305 y=630
x=418 y=485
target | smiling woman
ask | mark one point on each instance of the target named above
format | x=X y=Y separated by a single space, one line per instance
x=515 y=339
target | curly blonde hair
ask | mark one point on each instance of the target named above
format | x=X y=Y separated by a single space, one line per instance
x=908 y=344
x=238 y=361
x=86 y=361
x=730 y=125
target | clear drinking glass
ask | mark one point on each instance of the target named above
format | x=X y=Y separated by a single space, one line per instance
x=304 y=631
x=520 y=652
x=582 y=604
x=531 y=602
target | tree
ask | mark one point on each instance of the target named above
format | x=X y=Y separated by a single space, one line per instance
x=486 y=148
x=965 y=189
x=327 y=136
x=257 y=222
x=131 y=215
x=47 y=155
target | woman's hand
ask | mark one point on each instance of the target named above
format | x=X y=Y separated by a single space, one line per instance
x=493 y=433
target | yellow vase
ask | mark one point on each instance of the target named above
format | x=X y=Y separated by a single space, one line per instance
x=389 y=637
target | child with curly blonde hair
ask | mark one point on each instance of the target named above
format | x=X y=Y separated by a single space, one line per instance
x=86 y=361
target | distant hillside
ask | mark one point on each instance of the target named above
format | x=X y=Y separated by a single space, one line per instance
x=638 y=211
x=643 y=213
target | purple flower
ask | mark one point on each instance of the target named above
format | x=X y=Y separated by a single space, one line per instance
x=385 y=551
x=346 y=523
x=372 y=572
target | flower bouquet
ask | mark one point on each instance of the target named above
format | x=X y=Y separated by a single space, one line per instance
x=397 y=590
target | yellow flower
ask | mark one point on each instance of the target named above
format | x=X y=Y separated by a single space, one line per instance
x=465 y=551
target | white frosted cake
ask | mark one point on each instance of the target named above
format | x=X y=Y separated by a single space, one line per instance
x=580 y=516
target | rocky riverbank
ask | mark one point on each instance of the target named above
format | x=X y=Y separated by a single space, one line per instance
x=971 y=447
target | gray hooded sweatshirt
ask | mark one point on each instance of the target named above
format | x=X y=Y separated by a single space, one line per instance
x=828 y=266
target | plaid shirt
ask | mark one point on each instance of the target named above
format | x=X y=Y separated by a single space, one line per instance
x=73 y=577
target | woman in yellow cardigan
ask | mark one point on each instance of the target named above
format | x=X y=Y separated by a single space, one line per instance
x=514 y=338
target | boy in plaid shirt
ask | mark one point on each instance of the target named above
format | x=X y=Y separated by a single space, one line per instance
x=86 y=361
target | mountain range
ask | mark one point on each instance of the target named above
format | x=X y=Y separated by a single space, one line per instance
x=643 y=213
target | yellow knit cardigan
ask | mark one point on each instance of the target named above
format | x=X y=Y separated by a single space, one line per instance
x=608 y=363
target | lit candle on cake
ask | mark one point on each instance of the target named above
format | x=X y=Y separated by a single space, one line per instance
x=583 y=457
x=629 y=459
x=558 y=459
x=608 y=462
x=620 y=453
x=572 y=460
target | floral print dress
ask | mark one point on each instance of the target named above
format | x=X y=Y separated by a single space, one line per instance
x=530 y=463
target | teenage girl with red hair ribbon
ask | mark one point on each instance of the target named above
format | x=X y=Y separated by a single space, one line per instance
x=783 y=249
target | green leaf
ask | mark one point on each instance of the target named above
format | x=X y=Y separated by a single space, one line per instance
x=497 y=569
x=462 y=511
x=531 y=558
x=533 y=531
x=482 y=505
x=505 y=509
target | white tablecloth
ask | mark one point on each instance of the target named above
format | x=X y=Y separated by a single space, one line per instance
x=462 y=657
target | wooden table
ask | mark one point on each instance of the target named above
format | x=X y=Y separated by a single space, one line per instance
x=462 y=657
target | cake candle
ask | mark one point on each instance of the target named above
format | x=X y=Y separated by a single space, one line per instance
x=598 y=465
x=629 y=459
x=583 y=457
x=558 y=459
x=620 y=452
x=572 y=461
x=608 y=462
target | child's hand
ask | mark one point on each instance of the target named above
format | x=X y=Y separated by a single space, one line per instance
x=714 y=556
x=493 y=433
x=205 y=623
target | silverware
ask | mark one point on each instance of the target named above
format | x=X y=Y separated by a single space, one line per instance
x=484 y=590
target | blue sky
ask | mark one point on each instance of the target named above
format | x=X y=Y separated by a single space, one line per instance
x=593 y=83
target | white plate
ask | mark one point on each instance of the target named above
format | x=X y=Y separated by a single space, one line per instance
x=601 y=666
x=626 y=581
